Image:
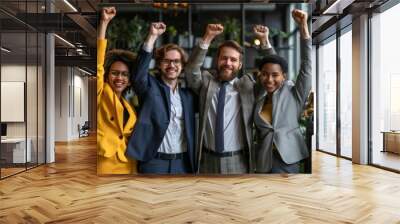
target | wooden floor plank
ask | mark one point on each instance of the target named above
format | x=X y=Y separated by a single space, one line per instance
x=69 y=191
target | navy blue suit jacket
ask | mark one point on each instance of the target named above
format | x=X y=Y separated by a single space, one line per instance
x=154 y=113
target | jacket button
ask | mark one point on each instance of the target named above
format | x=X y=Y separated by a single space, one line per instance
x=112 y=118
x=121 y=137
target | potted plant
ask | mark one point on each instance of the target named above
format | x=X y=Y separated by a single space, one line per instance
x=172 y=32
x=277 y=36
x=127 y=34
x=232 y=29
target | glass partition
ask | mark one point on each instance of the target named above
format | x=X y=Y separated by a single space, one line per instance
x=22 y=88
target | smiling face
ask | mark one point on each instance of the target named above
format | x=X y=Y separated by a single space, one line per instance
x=272 y=77
x=118 y=77
x=229 y=63
x=171 y=65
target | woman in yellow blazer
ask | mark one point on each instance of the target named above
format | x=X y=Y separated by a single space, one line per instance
x=115 y=116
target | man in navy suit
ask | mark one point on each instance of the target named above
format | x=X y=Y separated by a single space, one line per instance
x=163 y=138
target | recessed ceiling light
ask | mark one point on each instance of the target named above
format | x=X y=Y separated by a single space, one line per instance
x=84 y=71
x=5 y=50
x=70 y=5
x=64 y=40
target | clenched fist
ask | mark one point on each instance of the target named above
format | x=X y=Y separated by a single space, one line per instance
x=214 y=29
x=261 y=32
x=108 y=13
x=157 y=29
x=299 y=16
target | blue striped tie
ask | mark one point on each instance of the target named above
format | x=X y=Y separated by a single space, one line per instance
x=219 y=127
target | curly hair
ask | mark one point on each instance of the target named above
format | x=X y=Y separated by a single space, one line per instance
x=124 y=56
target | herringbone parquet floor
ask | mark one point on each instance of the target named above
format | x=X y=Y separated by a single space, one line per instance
x=70 y=192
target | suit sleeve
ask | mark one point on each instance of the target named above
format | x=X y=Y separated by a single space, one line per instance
x=141 y=78
x=270 y=51
x=101 y=51
x=193 y=69
x=304 y=79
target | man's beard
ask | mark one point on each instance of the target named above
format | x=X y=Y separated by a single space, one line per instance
x=233 y=75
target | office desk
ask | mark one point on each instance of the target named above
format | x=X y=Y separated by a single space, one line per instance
x=391 y=141
x=13 y=150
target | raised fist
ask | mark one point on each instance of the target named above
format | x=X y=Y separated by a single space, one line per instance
x=156 y=29
x=299 y=16
x=107 y=13
x=214 y=29
x=261 y=32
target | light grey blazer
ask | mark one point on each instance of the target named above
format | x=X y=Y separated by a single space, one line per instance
x=287 y=105
x=205 y=85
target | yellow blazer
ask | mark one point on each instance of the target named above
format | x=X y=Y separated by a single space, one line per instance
x=112 y=136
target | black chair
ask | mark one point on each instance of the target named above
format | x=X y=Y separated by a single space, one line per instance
x=84 y=130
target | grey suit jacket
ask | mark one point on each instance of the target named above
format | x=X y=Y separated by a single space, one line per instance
x=205 y=85
x=287 y=105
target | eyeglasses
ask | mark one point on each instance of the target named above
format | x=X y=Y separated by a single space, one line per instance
x=168 y=61
x=116 y=73
x=269 y=74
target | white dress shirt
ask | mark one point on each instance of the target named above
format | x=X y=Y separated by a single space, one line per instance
x=233 y=130
x=174 y=140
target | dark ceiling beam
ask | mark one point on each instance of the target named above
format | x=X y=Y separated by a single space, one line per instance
x=82 y=61
x=90 y=31
x=47 y=22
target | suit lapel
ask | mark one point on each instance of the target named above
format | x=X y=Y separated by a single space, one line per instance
x=275 y=109
x=132 y=116
x=184 y=110
x=167 y=97
x=259 y=105
x=246 y=98
x=119 y=112
x=212 y=89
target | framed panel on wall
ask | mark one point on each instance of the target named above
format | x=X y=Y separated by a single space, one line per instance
x=12 y=101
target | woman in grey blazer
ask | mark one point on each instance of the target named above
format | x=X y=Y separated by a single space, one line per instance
x=279 y=104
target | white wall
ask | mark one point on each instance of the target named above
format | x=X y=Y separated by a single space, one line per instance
x=17 y=73
x=71 y=102
x=61 y=104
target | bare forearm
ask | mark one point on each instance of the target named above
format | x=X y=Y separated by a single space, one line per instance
x=150 y=40
x=304 y=33
x=102 y=30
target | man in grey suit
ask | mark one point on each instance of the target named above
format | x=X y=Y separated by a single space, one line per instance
x=280 y=144
x=226 y=106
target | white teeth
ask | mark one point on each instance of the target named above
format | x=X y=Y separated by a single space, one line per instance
x=118 y=84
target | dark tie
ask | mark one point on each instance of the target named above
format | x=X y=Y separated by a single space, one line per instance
x=219 y=127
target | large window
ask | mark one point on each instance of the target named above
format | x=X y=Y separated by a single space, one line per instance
x=385 y=89
x=335 y=74
x=327 y=96
x=346 y=94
